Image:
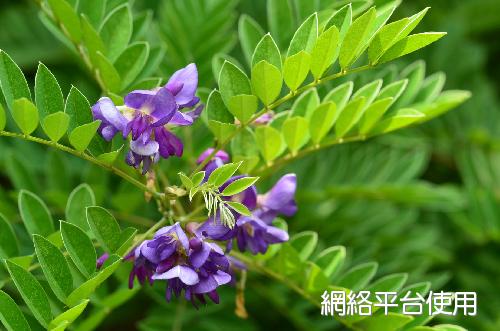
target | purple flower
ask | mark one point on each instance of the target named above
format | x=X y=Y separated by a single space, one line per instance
x=148 y=115
x=112 y=121
x=191 y=265
x=256 y=235
x=101 y=260
x=279 y=200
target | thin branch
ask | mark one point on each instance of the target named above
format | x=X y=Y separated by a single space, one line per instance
x=267 y=169
x=86 y=157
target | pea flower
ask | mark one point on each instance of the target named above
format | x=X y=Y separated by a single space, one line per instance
x=148 y=115
x=193 y=265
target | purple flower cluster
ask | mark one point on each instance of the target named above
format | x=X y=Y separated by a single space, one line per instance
x=194 y=263
x=147 y=116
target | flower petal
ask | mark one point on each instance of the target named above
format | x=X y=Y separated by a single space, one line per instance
x=187 y=78
x=187 y=275
x=144 y=149
x=282 y=196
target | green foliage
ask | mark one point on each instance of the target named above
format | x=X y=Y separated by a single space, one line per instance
x=385 y=197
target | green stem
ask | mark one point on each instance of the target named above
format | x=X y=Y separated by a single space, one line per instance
x=274 y=105
x=266 y=169
x=86 y=157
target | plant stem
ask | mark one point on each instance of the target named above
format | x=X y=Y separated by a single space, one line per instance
x=86 y=157
x=265 y=170
x=274 y=105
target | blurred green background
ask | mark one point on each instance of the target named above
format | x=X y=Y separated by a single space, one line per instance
x=423 y=201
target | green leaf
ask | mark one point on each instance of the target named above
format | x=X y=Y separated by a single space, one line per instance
x=239 y=208
x=233 y=81
x=267 y=50
x=186 y=181
x=105 y=228
x=32 y=292
x=54 y=266
x=198 y=178
x=373 y=114
x=431 y=88
x=324 y=52
x=322 y=121
x=340 y=95
x=243 y=107
x=305 y=37
x=244 y=148
x=10 y=314
x=87 y=288
x=391 y=34
x=130 y=63
x=78 y=109
x=61 y=327
x=222 y=131
x=91 y=40
x=67 y=18
x=398 y=119
x=411 y=44
x=331 y=260
x=393 y=90
x=296 y=133
x=12 y=80
x=305 y=243
x=446 y=101
x=266 y=81
x=35 y=214
x=69 y=315
x=270 y=142
x=79 y=199
x=9 y=246
x=389 y=322
x=305 y=104
x=25 y=115
x=315 y=279
x=354 y=38
x=342 y=19
x=349 y=116
x=80 y=248
x=93 y=9
x=116 y=30
x=127 y=237
x=108 y=74
x=222 y=174
x=55 y=125
x=48 y=94
x=81 y=136
x=239 y=185
x=359 y=276
x=249 y=32
x=390 y=283
x=3 y=118
x=216 y=109
x=296 y=69
x=369 y=92
x=110 y=157
x=281 y=20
